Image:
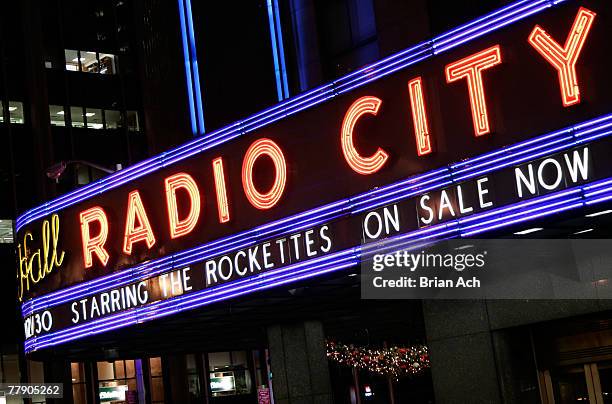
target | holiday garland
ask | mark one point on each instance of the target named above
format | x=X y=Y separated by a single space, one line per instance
x=395 y=361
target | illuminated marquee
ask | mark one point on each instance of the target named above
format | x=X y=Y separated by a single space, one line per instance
x=469 y=69
x=291 y=192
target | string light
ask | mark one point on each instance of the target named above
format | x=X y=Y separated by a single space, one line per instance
x=395 y=361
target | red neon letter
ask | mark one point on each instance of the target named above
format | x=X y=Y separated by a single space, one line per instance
x=419 y=116
x=180 y=227
x=94 y=244
x=222 y=205
x=564 y=58
x=470 y=68
x=362 y=165
x=135 y=210
x=259 y=148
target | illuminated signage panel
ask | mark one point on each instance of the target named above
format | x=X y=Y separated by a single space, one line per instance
x=518 y=117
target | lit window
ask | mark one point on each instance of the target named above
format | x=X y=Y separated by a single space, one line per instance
x=76 y=115
x=79 y=382
x=229 y=373
x=94 y=118
x=83 y=174
x=16 y=111
x=132 y=121
x=107 y=63
x=156 y=381
x=113 y=119
x=115 y=379
x=89 y=62
x=72 y=60
x=57 y=115
x=6 y=231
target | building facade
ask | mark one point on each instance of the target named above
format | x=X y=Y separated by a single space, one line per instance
x=192 y=187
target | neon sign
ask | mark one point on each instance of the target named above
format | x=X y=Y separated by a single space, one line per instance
x=419 y=116
x=470 y=69
x=221 y=190
x=364 y=149
x=281 y=194
x=36 y=264
x=362 y=165
x=259 y=148
x=95 y=244
x=564 y=58
x=134 y=232
x=180 y=227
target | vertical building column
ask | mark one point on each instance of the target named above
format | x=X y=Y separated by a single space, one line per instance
x=300 y=372
x=176 y=387
x=140 y=381
x=38 y=109
x=58 y=371
x=306 y=43
x=463 y=364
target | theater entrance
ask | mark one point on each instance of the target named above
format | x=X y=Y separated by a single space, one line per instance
x=576 y=362
x=587 y=383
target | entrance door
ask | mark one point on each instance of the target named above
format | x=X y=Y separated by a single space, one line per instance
x=580 y=384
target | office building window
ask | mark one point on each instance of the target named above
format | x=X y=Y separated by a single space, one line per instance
x=15 y=110
x=87 y=174
x=57 y=115
x=94 y=118
x=6 y=231
x=90 y=62
x=107 y=63
x=83 y=174
x=132 y=121
x=77 y=117
x=113 y=119
x=72 y=60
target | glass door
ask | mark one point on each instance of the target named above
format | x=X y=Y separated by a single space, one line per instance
x=580 y=384
x=605 y=380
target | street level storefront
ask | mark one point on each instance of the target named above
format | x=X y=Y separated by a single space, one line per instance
x=225 y=269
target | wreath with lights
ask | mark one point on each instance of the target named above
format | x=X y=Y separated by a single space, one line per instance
x=394 y=361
